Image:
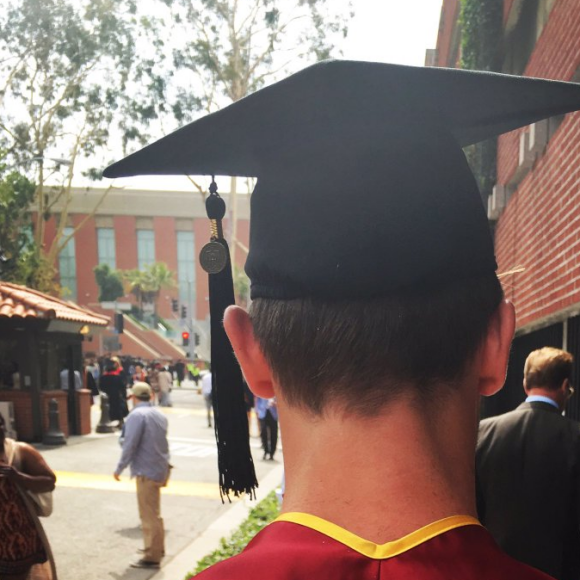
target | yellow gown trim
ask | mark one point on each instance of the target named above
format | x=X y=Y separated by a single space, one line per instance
x=370 y=549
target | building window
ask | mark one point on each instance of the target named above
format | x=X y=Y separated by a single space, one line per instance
x=186 y=267
x=145 y=248
x=68 y=267
x=106 y=247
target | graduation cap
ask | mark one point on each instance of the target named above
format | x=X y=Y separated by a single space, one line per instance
x=362 y=188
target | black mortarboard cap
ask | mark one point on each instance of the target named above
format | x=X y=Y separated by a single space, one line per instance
x=363 y=188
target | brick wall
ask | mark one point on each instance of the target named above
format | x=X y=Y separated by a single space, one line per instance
x=125 y=242
x=86 y=260
x=23 y=411
x=126 y=255
x=540 y=228
x=447 y=27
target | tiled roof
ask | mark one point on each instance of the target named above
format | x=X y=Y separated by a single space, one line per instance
x=21 y=302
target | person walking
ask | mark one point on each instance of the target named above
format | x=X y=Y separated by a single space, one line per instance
x=64 y=380
x=194 y=373
x=113 y=385
x=267 y=413
x=153 y=379
x=165 y=381
x=180 y=371
x=206 y=390
x=528 y=471
x=140 y=374
x=146 y=451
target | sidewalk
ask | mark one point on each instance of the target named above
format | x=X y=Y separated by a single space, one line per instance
x=185 y=561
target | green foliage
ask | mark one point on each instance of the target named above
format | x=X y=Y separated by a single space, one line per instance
x=241 y=286
x=74 y=74
x=110 y=283
x=481 y=34
x=481 y=24
x=147 y=284
x=18 y=252
x=237 y=45
x=266 y=511
x=56 y=55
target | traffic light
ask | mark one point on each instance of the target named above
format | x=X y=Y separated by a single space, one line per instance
x=174 y=305
x=119 y=322
x=185 y=338
x=184 y=311
x=196 y=339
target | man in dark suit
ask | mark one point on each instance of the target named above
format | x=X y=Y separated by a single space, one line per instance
x=528 y=464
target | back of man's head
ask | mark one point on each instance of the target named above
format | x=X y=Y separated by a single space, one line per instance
x=547 y=368
x=141 y=391
x=361 y=354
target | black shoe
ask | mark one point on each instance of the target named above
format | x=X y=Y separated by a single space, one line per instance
x=271 y=457
x=265 y=457
x=145 y=564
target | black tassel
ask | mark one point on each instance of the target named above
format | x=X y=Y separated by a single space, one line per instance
x=235 y=463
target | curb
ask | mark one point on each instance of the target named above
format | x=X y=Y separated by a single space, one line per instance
x=209 y=540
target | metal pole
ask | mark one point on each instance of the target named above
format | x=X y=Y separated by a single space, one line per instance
x=234 y=218
x=191 y=318
x=72 y=411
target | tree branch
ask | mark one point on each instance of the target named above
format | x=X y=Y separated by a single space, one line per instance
x=199 y=188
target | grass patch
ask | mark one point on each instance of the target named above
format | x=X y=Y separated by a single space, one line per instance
x=260 y=516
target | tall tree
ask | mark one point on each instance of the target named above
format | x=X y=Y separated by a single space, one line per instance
x=146 y=284
x=110 y=283
x=239 y=45
x=18 y=253
x=69 y=71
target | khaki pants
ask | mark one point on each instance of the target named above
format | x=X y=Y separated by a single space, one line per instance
x=149 y=500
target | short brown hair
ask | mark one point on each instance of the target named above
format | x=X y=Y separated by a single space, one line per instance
x=548 y=368
x=363 y=353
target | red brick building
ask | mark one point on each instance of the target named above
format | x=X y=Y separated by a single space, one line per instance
x=535 y=204
x=133 y=228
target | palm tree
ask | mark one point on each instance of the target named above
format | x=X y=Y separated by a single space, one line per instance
x=135 y=280
x=146 y=284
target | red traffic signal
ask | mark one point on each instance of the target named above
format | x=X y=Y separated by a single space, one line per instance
x=185 y=338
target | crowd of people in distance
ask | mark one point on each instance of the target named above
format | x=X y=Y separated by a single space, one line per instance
x=113 y=375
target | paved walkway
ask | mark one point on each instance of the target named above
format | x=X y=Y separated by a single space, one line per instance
x=95 y=530
x=222 y=527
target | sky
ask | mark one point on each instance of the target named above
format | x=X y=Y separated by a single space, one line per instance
x=395 y=31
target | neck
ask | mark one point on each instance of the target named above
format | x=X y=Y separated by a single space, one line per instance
x=385 y=476
x=551 y=394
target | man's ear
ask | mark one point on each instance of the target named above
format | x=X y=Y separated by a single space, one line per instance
x=256 y=370
x=496 y=349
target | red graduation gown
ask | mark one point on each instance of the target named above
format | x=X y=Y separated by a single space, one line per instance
x=299 y=546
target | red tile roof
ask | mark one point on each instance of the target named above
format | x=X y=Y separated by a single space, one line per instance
x=21 y=302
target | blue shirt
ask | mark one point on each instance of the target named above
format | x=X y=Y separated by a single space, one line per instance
x=145 y=445
x=542 y=399
x=262 y=406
